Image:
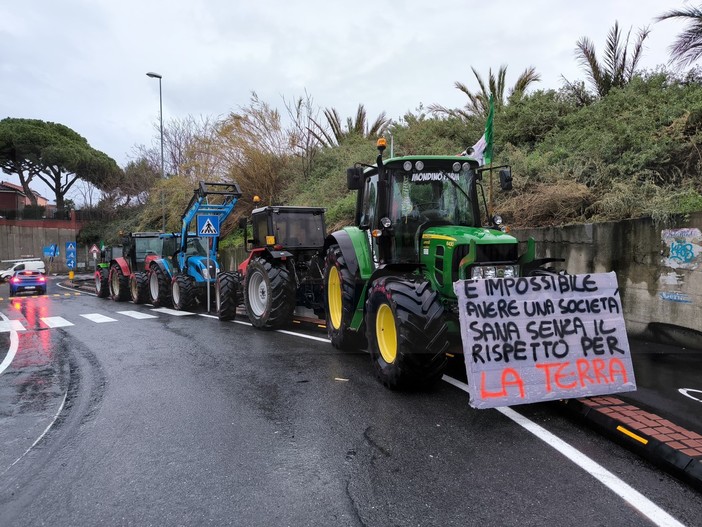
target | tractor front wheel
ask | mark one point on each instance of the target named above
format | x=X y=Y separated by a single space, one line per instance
x=227 y=295
x=119 y=284
x=182 y=292
x=139 y=287
x=102 y=286
x=269 y=293
x=159 y=287
x=340 y=302
x=407 y=332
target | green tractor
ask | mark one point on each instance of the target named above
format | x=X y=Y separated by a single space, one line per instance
x=388 y=280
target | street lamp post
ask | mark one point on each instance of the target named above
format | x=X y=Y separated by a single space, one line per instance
x=160 y=113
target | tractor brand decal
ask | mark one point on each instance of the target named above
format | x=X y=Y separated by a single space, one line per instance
x=535 y=339
x=683 y=248
x=427 y=177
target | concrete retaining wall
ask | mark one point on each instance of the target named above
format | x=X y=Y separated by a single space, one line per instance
x=27 y=238
x=659 y=269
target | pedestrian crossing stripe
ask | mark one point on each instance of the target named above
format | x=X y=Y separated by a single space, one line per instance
x=56 y=322
x=172 y=312
x=136 y=314
x=7 y=326
x=10 y=325
x=98 y=318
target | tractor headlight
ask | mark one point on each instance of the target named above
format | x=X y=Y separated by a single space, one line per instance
x=497 y=219
x=494 y=271
x=407 y=165
x=456 y=167
x=205 y=273
x=385 y=222
x=419 y=165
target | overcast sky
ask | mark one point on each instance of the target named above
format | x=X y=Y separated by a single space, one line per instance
x=83 y=63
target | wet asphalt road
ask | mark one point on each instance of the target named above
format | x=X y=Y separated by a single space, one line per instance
x=186 y=420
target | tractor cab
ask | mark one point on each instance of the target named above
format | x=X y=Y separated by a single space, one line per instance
x=289 y=228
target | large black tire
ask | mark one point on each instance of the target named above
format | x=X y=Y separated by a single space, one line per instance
x=119 y=284
x=182 y=292
x=269 y=293
x=102 y=286
x=227 y=295
x=139 y=287
x=407 y=332
x=159 y=287
x=341 y=295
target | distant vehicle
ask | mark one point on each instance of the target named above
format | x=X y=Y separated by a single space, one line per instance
x=22 y=265
x=28 y=282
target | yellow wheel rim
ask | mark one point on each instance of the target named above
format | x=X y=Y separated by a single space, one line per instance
x=334 y=297
x=386 y=334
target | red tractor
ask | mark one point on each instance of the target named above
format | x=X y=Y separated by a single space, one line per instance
x=126 y=276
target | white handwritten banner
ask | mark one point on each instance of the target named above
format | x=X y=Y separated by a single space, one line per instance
x=542 y=338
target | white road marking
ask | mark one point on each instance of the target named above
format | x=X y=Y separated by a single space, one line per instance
x=12 y=350
x=311 y=337
x=98 y=318
x=11 y=325
x=42 y=434
x=633 y=497
x=136 y=314
x=686 y=393
x=56 y=322
x=172 y=312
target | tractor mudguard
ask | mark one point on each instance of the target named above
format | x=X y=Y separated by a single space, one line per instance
x=353 y=243
x=123 y=265
x=165 y=267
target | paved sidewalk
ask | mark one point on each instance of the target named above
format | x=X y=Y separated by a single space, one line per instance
x=671 y=447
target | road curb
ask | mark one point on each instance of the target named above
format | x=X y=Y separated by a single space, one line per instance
x=667 y=445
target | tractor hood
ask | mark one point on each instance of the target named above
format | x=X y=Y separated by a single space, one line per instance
x=464 y=235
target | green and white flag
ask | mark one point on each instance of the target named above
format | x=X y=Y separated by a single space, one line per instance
x=482 y=150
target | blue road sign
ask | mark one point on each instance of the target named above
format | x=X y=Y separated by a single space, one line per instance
x=208 y=225
x=70 y=252
x=71 y=264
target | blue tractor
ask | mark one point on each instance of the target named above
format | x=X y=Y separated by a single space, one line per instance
x=183 y=279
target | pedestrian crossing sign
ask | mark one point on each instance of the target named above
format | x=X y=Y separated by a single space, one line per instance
x=208 y=225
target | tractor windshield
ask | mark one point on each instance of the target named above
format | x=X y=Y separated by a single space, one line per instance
x=146 y=246
x=430 y=197
x=195 y=247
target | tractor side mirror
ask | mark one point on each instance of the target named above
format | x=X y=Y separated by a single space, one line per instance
x=354 y=178
x=506 y=179
x=242 y=223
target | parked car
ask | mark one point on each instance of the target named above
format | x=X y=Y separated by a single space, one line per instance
x=28 y=282
x=26 y=265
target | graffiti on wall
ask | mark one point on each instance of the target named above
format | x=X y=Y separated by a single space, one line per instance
x=683 y=248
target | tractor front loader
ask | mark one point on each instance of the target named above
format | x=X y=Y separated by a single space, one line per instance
x=184 y=279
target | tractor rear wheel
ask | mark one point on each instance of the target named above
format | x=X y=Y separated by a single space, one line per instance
x=159 y=287
x=102 y=286
x=119 y=284
x=269 y=293
x=227 y=295
x=139 y=287
x=182 y=292
x=340 y=302
x=407 y=332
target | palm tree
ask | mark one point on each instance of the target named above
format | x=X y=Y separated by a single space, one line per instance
x=688 y=47
x=334 y=133
x=617 y=67
x=478 y=101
